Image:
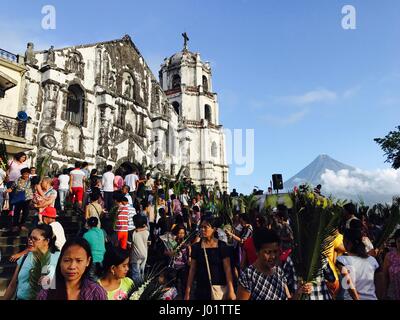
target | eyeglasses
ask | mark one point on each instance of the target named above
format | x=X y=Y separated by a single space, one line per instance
x=34 y=239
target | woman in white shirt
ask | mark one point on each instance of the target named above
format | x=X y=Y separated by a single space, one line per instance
x=357 y=268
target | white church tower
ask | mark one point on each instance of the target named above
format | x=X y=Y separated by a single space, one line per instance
x=187 y=82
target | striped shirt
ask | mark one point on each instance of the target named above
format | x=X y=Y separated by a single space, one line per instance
x=122 y=219
x=131 y=214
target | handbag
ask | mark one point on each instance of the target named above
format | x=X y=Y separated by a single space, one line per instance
x=19 y=196
x=6 y=202
x=218 y=292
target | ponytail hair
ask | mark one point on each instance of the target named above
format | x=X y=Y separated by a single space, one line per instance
x=47 y=233
x=354 y=236
x=113 y=256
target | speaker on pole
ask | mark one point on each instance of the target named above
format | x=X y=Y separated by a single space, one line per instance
x=277 y=181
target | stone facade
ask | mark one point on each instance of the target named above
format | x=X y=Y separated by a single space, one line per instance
x=102 y=104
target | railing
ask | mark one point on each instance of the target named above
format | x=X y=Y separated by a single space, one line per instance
x=8 y=56
x=12 y=126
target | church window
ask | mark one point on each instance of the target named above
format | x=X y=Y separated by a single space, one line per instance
x=176 y=107
x=207 y=113
x=176 y=81
x=75 y=102
x=205 y=84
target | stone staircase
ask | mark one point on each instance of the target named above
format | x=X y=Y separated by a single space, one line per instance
x=11 y=243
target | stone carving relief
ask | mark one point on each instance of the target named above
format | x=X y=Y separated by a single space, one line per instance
x=75 y=64
x=30 y=55
x=51 y=56
x=114 y=154
x=112 y=81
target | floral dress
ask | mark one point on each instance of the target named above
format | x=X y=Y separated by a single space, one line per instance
x=394 y=273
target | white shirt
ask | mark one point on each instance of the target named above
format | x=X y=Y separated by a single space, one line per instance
x=130 y=202
x=362 y=271
x=58 y=231
x=2 y=177
x=64 y=182
x=130 y=181
x=15 y=170
x=184 y=199
x=77 y=176
x=108 y=182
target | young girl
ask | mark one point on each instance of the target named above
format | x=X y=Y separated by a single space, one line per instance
x=140 y=238
x=167 y=279
x=357 y=268
x=113 y=278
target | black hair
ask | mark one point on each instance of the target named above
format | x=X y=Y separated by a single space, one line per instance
x=261 y=220
x=177 y=228
x=173 y=197
x=47 y=233
x=94 y=196
x=93 y=222
x=350 y=208
x=124 y=199
x=77 y=164
x=60 y=291
x=354 y=236
x=245 y=217
x=93 y=172
x=264 y=236
x=113 y=256
x=65 y=171
x=179 y=219
x=19 y=155
x=25 y=170
x=139 y=221
x=210 y=220
x=126 y=187
x=84 y=164
x=32 y=168
x=196 y=208
x=396 y=234
x=109 y=168
x=169 y=275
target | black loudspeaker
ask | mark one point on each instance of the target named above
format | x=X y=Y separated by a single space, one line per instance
x=277 y=182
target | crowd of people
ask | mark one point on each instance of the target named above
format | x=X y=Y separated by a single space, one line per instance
x=130 y=224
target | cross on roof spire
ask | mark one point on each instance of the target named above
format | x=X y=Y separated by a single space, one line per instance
x=186 y=39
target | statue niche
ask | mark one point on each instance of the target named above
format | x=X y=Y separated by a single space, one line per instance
x=128 y=86
x=75 y=64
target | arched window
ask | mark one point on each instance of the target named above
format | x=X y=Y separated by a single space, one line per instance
x=205 y=84
x=214 y=150
x=121 y=116
x=75 y=104
x=207 y=113
x=176 y=81
x=176 y=107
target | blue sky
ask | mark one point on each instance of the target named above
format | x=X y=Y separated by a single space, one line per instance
x=286 y=69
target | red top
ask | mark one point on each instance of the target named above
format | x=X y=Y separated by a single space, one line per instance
x=122 y=219
x=250 y=250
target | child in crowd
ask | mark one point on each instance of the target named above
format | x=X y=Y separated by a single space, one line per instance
x=113 y=278
x=122 y=222
x=139 y=249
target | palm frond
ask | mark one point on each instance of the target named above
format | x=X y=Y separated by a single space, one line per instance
x=39 y=261
x=391 y=223
x=314 y=227
x=3 y=155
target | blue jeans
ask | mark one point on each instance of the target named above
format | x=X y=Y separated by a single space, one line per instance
x=62 y=195
x=138 y=267
x=1 y=198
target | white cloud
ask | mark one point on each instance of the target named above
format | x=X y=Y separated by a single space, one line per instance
x=284 y=121
x=380 y=183
x=351 y=92
x=319 y=95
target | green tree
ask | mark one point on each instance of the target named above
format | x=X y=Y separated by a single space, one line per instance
x=390 y=144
